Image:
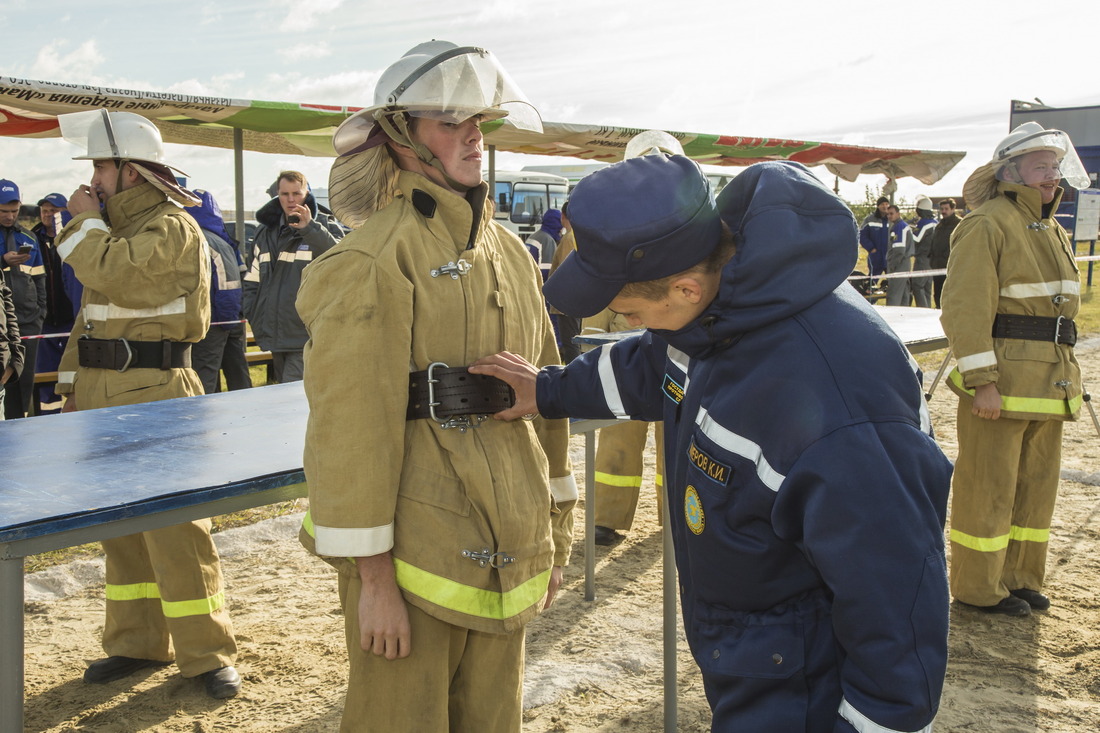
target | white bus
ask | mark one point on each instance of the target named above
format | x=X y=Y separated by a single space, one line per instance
x=521 y=198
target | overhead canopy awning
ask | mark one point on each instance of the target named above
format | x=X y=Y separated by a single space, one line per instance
x=30 y=108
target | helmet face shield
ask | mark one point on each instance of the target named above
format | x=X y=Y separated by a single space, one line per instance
x=459 y=84
x=1064 y=163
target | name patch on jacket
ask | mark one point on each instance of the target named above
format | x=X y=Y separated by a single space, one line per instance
x=673 y=390
x=708 y=464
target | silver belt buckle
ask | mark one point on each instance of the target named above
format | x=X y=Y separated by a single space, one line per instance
x=462 y=422
x=129 y=355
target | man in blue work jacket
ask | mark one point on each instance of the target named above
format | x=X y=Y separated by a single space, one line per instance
x=807 y=497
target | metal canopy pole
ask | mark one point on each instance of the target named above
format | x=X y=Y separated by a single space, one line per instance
x=238 y=182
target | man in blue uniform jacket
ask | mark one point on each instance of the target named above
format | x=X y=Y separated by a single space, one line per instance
x=807 y=496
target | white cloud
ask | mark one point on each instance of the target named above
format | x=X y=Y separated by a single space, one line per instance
x=301 y=16
x=79 y=65
x=305 y=52
x=210 y=14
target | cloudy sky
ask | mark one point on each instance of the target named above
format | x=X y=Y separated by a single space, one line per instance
x=903 y=74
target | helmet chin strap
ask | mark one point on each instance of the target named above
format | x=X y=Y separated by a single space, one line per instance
x=396 y=126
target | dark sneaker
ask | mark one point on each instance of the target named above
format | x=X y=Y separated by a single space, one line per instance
x=1010 y=606
x=222 y=683
x=1033 y=598
x=606 y=536
x=115 y=668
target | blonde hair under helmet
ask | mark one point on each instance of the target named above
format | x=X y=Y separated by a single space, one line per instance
x=438 y=80
x=1026 y=138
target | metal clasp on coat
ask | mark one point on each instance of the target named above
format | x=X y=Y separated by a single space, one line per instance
x=454 y=269
x=462 y=422
x=1058 y=328
x=1038 y=226
x=497 y=560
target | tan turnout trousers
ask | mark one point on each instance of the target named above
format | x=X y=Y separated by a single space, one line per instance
x=165 y=599
x=466 y=680
x=619 y=453
x=1002 y=500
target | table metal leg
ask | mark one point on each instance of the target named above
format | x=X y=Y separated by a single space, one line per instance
x=590 y=515
x=11 y=644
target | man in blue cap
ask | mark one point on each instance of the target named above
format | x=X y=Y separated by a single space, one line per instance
x=21 y=262
x=807 y=507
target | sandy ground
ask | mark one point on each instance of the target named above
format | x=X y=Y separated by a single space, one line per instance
x=591 y=666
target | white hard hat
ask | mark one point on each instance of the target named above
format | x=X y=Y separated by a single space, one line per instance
x=113 y=135
x=438 y=80
x=1029 y=137
x=923 y=202
x=125 y=136
x=441 y=80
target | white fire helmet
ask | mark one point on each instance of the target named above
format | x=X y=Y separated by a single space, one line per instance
x=437 y=80
x=1029 y=137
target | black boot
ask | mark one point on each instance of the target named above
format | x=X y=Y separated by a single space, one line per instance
x=115 y=668
x=1010 y=606
x=1034 y=598
x=222 y=683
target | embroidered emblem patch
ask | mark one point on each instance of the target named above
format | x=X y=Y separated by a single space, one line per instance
x=693 y=511
x=673 y=390
x=714 y=469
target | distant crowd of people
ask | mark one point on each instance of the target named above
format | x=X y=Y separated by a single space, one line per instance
x=895 y=246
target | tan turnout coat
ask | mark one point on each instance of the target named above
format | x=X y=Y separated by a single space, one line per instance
x=375 y=312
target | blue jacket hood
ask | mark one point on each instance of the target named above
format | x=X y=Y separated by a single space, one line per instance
x=209 y=215
x=796 y=244
x=551 y=223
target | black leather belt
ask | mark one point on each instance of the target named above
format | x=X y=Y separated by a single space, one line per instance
x=1059 y=330
x=121 y=354
x=441 y=392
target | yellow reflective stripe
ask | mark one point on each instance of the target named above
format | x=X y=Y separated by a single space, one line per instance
x=197 y=607
x=1037 y=405
x=660 y=480
x=1027 y=534
x=171 y=609
x=996 y=544
x=466 y=599
x=614 y=479
x=307 y=525
x=131 y=592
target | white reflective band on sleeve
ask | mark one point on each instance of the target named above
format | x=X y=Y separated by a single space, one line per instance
x=37 y=270
x=977 y=361
x=253 y=275
x=876 y=224
x=924 y=230
x=99 y=312
x=357 y=542
x=231 y=285
x=220 y=276
x=287 y=256
x=901 y=244
x=681 y=361
x=740 y=446
x=864 y=724
x=66 y=377
x=66 y=248
x=1042 y=290
x=610 y=388
x=304 y=254
x=925 y=418
x=564 y=488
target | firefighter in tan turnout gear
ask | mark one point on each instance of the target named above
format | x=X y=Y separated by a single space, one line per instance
x=1011 y=293
x=146 y=274
x=448 y=530
x=620 y=451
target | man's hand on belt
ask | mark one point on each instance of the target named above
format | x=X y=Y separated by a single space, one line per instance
x=520 y=375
